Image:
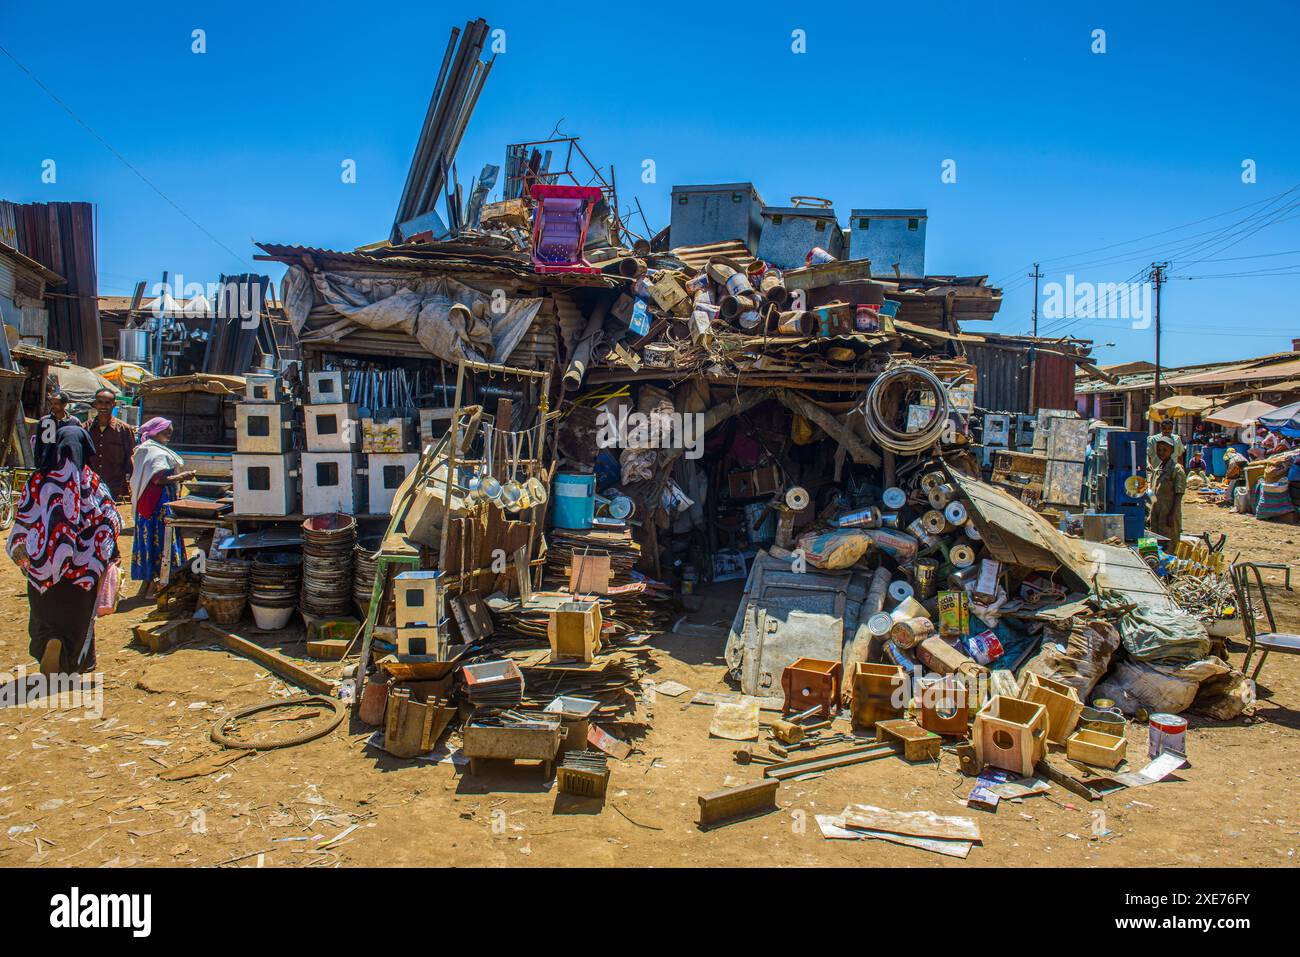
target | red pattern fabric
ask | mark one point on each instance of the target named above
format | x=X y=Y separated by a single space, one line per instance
x=68 y=526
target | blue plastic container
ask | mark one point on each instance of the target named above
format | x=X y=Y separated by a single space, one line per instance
x=575 y=500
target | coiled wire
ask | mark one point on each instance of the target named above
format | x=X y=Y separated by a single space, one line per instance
x=890 y=386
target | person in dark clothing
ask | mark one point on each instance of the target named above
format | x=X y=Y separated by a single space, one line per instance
x=114 y=442
x=64 y=538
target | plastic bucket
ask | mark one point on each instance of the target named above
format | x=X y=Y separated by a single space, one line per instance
x=575 y=500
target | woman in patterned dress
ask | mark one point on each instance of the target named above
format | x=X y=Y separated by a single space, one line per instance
x=155 y=470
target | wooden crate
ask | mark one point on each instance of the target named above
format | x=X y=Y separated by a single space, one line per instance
x=574 y=631
x=1095 y=748
x=879 y=692
x=1060 y=700
x=811 y=681
x=1011 y=734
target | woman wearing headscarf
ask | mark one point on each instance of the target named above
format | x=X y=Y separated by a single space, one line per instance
x=155 y=472
x=64 y=538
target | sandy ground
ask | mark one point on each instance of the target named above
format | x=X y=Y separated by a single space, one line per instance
x=83 y=790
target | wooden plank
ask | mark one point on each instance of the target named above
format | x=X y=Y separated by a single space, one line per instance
x=729 y=805
x=275 y=661
x=914 y=823
x=834 y=759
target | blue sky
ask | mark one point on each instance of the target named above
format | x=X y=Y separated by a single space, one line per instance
x=1059 y=151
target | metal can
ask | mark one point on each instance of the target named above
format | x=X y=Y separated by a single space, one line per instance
x=866 y=318
x=900 y=590
x=868 y=517
x=927 y=577
x=816 y=256
x=1166 y=732
x=894 y=497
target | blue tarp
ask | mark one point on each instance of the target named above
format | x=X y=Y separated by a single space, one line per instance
x=1285 y=420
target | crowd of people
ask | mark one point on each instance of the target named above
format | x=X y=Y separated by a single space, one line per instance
x=67 y=524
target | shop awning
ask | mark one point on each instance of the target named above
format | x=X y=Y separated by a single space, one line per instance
x=1177 y=406
x=1285 y=419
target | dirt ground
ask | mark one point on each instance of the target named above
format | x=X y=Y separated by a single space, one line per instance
x=83 y=790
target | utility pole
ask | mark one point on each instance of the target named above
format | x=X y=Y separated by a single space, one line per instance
x=1035 y=276
x=1157 y=277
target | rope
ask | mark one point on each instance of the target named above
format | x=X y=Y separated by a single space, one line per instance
x=219 y=732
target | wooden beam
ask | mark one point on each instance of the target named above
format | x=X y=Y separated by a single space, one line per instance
x=830 y=425
x=273 y=660
x=737 y=804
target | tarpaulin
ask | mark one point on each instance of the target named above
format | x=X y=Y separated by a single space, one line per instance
x=414 y=305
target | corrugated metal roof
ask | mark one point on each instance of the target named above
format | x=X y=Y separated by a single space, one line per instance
x=1243 y=373
x=698 y=256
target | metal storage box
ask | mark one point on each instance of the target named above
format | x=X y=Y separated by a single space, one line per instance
x=326 y=387
x=887 y=237
x=331 y=482
x=261 y=387
x=265 y=484
x=265 y=427
x=789 y=232
x=418 y=597
x=716 y=213
x=333 y=427
x=385 y=474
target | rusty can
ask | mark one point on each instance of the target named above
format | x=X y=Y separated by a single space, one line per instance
x=817 y=256
x=926 y=577
x=910 y=632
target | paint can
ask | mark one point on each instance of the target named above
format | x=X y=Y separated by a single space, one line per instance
x=927 y=577
x=698 y=284
x=750 y=319
x=910 y=632
x=891 y=520
x=817 y=256
x=918 y=529
x=795 y=323
x=894 y=498
x=657 y=354
x=737 y=284
x=866 y=318
x=900 y=590
x=1166 y=732
x=955 y=513
x=772 y=286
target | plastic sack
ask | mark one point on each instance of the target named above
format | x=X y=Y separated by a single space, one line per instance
x=1076 y=655
x=1136 y=684
x=837 y=549
x=110 y=584
x=1156 y=635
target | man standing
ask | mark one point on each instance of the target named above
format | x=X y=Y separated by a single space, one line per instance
x=114 y=442
x=1166 y=431
x=1168 y=486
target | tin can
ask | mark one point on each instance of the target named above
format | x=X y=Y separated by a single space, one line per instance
x=868 y=517
x=910 y=632
x=880 y=624
x=961 y=556
x=750 y=319
x=891 y=520
x=698 y=284
x=1166 y=732
x=738 y=283
x=909 y=607
x=934 y=522
x=927 y=577
x=973 y=533
x=866 y=318
x=900 y=590
x=894 y=497
x=816 y=256
x=955 y=512
x=941 y=495
x=917 y=528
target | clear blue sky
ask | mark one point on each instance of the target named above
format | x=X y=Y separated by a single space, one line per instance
x=1058 y=150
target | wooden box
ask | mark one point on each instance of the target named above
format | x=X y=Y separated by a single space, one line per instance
x=1060 y=700
x=754 y=483
x=945 y=707
x=810 y=682
x=1095 y=748
x=1011 y=734
x=879 y=693
x=590 y=572
x=574 y=630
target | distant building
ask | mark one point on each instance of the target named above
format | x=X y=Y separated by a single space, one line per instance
x=892 y=239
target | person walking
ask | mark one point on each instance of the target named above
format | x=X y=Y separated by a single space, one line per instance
x=64 y=538
x=155 y=472
x=114 y=443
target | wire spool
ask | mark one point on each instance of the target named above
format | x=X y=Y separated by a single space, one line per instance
x=956 y=514
x=887 y=397
x=797 y=498
x=900 y=590
x=973 y=533
x=934 y=522
x=894 y=498
x=961 y=556
x=931 y=481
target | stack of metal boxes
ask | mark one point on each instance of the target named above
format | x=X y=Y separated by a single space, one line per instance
x=421 y=623
x=331 y=466
x=266 y=460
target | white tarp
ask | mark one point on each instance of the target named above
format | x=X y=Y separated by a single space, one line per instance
x=418 y=306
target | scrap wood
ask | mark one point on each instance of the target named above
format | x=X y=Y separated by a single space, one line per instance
x=276 y=662
x=735 y=722
x=949 y=848
x=737 y=804
x=912 y=823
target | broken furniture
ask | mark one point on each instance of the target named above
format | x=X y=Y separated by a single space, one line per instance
x=412 y=727
x=1011 y=734
x=810 y=682
x=513 y=736
x=1061 y=701
x=1247 y=610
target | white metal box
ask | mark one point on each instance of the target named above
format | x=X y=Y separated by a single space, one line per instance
x=433 y=425
x=264 y=427
x=261 y=387
x=265 y=484
x=331 y=482
x=333 y=427
x=326 y=387
x=418 y=597
x=385 y=473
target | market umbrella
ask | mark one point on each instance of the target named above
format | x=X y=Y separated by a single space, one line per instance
x=1285 y=420
x=1177 y=406
x=1241 y=414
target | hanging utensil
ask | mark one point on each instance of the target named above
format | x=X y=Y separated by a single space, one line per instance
x=534 y=487
x=489 y=489
x=512 y=493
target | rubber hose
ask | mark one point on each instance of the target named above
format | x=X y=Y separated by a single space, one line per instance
x=219 y=735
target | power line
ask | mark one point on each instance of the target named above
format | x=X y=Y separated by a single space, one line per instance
x=122 y=159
